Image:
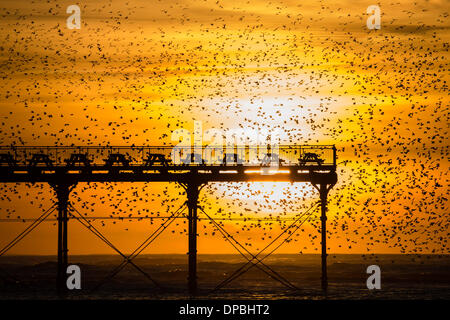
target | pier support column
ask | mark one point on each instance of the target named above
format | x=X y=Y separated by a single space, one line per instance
x=323 y=190
x=192 y=191
x=62 y=193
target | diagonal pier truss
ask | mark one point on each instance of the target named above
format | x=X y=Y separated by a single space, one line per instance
x=192 y=168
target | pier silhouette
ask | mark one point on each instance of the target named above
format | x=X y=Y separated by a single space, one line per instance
x=192 y=168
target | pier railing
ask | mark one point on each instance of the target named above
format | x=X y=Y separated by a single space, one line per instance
x=283 y=155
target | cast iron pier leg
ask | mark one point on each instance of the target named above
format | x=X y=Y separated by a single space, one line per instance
x=192 y=191
x=323 y=201
x=62 y=193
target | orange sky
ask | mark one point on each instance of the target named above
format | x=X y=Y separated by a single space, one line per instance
x=137 y=70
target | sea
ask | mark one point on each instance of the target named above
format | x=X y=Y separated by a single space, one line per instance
x=164 y=277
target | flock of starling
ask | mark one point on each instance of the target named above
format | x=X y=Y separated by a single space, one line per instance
x=311 y=70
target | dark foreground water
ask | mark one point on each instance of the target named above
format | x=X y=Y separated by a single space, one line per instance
x=402 y=277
